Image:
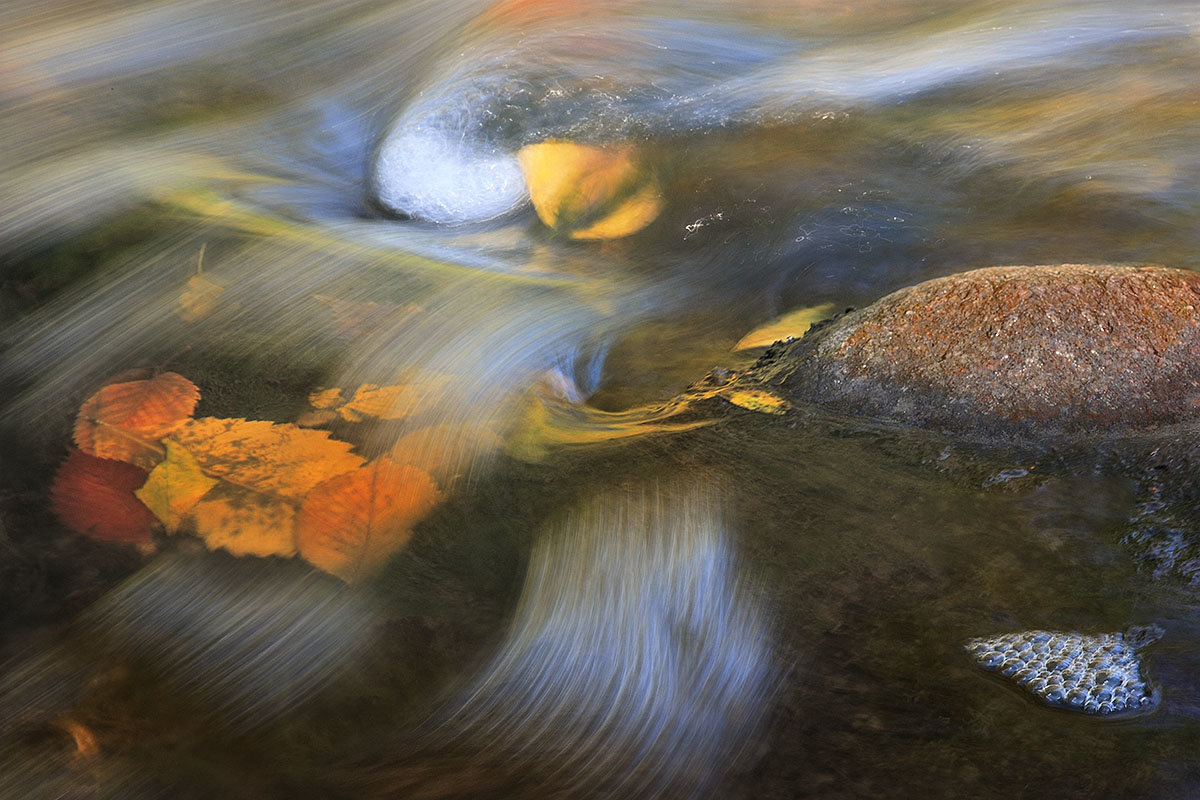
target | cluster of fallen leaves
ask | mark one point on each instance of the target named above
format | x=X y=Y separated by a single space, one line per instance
x=144 y=464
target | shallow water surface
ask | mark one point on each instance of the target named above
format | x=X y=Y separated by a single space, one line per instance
x=614 y=594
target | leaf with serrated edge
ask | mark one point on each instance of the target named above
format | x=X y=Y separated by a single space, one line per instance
x=350 y=525
x=267 y=457
x=245 y=522
x=125 y=421
x=175 y=486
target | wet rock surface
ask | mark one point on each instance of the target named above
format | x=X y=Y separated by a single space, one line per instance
x=1067 y=348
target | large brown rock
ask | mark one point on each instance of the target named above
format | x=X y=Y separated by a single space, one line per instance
x=1035 y=349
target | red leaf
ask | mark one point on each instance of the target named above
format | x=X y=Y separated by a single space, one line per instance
x=94 y=496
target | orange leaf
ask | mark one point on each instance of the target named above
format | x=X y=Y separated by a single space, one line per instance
x=350 y=525
x=94 y=497
x=125 y=421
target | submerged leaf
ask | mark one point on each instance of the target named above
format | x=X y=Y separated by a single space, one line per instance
x=790 y=326
x=245 y=522
x=94 y=497
x=352 y=319
x=125 y=421
x=351 y=524
x=381 y=402
x=324 y=399
x=756 y=400
x=175 y=486
x=199 y=298
x=266 y=457
x=590 y=192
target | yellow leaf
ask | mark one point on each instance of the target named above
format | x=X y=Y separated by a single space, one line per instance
x=199 y=297
x=382 y=402
x=590 y=192
x=790 y=326
x=282 y=460
x=174 y=486
x=324 y=399
x=757 y=400
x=350 y=525
x=245 y=522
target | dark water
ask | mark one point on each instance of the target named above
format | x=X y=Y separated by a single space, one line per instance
x=762 y=607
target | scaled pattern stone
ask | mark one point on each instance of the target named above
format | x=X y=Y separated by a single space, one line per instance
x=1067 y=347
x=1094 y=674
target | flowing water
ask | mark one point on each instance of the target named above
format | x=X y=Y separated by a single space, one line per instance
x=759 y=606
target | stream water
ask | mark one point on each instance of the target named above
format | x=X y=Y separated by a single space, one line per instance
x=764 y=606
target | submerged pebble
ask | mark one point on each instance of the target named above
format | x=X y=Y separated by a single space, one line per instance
x=1092 y=673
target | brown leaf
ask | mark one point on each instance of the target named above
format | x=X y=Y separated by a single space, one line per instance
x=94 y=497
x=245 y=522
x=125 y=421
x=350 y=525
x=266 y=457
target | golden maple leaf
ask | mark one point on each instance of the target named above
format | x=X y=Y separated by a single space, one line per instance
x=590 y=192
x=125 y=421
x=351 y=524
x=175 y=486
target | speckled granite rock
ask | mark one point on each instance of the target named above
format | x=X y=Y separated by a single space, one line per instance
x=1042 y=348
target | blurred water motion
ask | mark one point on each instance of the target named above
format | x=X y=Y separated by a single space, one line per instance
x=200 y=184
x=639 y=662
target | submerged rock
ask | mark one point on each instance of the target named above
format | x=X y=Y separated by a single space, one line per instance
x=1033 y=349
x=1095 y=674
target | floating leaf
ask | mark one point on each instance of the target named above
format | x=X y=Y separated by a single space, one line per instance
x=266 y=457
x=199 y=298
x=94 y=497
x=757 y=400
x=790 y=326
x=351 y=524
x=245 y=522
x=125 y=421
x=175 y=486
x=590 y=192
